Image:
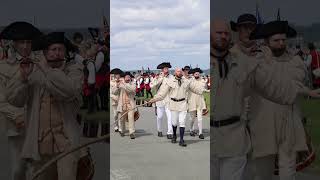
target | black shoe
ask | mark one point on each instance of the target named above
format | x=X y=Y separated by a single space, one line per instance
x=201 y=136
x=174 y=139
x=169 y=136
x=121 y=134
x=159 y=134
x=192 y=133
x=182 y=143
x=132 y=136
x=116 y=130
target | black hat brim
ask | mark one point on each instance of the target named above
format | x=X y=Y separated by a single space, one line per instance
x=116 y=71
x=272 y=28
x=192 y=71
x=20 y=31
x=126 y=74
x=45 y=41
x=163 y=65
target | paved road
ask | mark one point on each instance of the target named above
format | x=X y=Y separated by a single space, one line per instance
x=151 y=157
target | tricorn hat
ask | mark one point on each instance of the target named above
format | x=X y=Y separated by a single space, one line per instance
x=163 y=65
x=20 y=31
x=243 y=19
x=186 y=68
x=192 y=71
x=53 y=38
x=272 y=28
x=127 y=73
x=116 y=71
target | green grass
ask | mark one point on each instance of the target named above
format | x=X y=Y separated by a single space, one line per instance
x=310 y=109
x=101 y=116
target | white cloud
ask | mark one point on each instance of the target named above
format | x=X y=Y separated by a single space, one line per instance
x=152 y=31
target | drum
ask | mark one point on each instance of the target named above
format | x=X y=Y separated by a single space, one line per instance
x=136 y=116
x=85 y=170
x=304 y=158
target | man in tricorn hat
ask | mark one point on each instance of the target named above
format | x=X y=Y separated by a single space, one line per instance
x=176 y=89
x=22 y=34
x=162 y=106
x=232 y=77
x=277 y=128
x=245 y=24
x=51 y=88
x=196 y=103
x=126 y=103
x=186 y=70
x=114 y=95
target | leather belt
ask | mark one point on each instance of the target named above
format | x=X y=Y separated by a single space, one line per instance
x=178 y=100
x=226 y=122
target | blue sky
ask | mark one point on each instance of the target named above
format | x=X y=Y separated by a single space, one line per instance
x=146 y=33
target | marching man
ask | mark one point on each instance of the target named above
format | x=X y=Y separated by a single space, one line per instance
x=114 y=95
x=176 y=89
x=196 y=103
x=162 y=106
x=126 y=102
x=51 y=90
x=21 y=34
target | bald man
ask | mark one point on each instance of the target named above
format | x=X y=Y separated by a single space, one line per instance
x=177 y=89
x=234 y=77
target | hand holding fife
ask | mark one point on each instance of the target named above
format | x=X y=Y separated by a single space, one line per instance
x=266 y=51
x=25 y=70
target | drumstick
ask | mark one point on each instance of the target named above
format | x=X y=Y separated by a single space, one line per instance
x=60 y=156
x=126 y=112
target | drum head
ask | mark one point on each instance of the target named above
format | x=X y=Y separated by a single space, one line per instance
x=85 y=170
x=136 y=115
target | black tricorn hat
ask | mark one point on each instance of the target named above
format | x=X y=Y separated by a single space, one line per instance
x=186 y=68
x=116 y=71
x=272 y=28
x=192 y=71
x=20 y=31
x=243 y=19
x=127 y=73
x=53 y=38
x=163 y=65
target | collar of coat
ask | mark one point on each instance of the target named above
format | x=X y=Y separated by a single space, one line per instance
x=231 y=58
x=283 y=58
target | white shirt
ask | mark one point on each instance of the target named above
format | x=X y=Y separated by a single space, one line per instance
x=99 y=60
x=146 y=81
x=79 y=59
x=92 y=73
